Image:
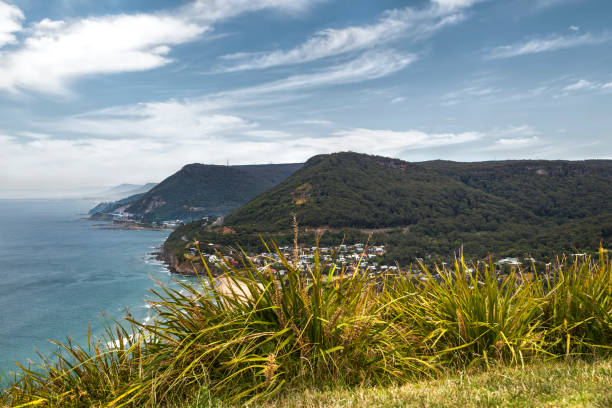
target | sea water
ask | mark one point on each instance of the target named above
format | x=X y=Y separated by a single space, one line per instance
x=59 y=271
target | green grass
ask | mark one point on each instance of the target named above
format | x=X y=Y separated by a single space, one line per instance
x=266 y=334
x=559 y=384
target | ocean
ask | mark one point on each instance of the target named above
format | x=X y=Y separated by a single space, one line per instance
x=59 y=271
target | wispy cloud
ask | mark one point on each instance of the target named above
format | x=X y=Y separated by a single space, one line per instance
x=54 y=53
x=317 y=122
x=586 y=85
x=371 y=65
x=511 y=138
x=155 y=120
x=393 y=142
x=10 y=23
x=468 y=93
x=513 y=131
x=455 y=4
x=208 y=116
x=548 y=44
x=214 y=10
x=544 y=4
x=413 y=24
x=516 y=143
x=580 y=84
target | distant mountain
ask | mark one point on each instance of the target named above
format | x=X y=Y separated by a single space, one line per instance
x=106 y=208
x=200 y=190
x=125 y=190
x=431 y=208
x=117 y=197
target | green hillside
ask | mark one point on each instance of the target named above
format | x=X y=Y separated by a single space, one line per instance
x=429 y=209
x=556 y=190
x=199 y=189
x=360 y=191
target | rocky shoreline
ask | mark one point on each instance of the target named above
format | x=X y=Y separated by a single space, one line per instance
x=185 y=268
x=129 y=225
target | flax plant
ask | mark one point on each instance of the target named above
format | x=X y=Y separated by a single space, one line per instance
x=579 y=307
x=464 y=315
x=248 y=333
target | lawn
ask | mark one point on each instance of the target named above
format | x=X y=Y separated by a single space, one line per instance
x=553 y=384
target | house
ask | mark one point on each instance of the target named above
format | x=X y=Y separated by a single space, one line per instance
x=508 y=261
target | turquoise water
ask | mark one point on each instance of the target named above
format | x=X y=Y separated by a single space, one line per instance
x=59 y=271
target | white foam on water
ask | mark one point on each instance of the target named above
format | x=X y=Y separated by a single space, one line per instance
x=116 y=343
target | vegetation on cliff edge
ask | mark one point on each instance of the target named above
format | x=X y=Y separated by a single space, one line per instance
x=273 y=331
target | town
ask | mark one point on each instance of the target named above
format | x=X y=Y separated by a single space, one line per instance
x=348 y=257
x=351 y=258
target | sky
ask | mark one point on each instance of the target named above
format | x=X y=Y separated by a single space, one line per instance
x=103 y=92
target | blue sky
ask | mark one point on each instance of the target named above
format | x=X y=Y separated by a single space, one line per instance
x=97 y=93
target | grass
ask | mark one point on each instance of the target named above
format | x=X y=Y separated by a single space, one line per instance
x=254 y=335
x=553 y=384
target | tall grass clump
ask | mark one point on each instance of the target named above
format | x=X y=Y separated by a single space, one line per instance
x=254 y=331
x=464 y=316
x=470 y=315
x=578 y=309
x=251 y=331
x=76 y=376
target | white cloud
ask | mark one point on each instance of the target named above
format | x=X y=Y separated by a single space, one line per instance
x=468 y=94
x=405 y=23
x=264 y=134
x=586 y=85
x=539 y=45
x=215 y=10
x=390 y=142
x=10 y=23
x=57 y=52
x=65 y=163
x=472 y=91
x=574 y=28
x=543 y=4
x=185 y=120
x=517 y=142
x=317 y=122
x=201 y=118
x=371 y=65
x=503 y=139
x=580 y=84
x=54 y=53
x=455 y=4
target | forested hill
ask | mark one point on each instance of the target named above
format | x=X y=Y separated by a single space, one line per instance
x=200 y=189
x=360 y=191
x=556 y=190
x=510 y=208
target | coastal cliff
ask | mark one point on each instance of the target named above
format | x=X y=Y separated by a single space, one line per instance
x=187 y=268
